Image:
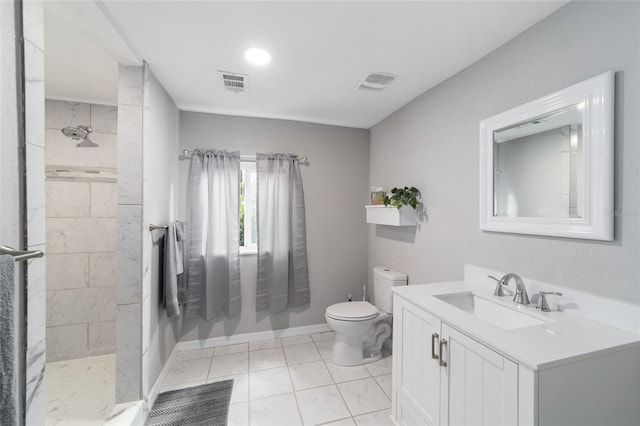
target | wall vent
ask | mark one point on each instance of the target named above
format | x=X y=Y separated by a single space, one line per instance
x=376 y=81
x=234 y=81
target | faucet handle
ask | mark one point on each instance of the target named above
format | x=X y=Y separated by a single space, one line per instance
x=542 y=302
x=499 y=291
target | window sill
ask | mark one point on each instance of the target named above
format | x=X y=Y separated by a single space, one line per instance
x=248 y=252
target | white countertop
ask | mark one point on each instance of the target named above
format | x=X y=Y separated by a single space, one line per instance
x=565 y=337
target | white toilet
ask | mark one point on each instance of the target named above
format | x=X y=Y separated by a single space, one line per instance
x=361 y=328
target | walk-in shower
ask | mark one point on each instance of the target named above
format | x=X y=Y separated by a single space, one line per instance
x=81 y=222
x=80 y=133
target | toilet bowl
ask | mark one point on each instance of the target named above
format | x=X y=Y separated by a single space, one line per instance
x=355 y=324
x=361 y=328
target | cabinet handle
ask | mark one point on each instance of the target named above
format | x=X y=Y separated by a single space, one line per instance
x=434 y=337
x=443 y=363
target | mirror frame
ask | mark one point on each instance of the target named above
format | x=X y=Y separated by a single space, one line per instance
x=597 y=94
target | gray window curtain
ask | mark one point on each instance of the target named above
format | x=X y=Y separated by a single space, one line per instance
x=213 y=286
x=283 y=272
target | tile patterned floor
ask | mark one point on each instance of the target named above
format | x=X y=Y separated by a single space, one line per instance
x=81 y=391
x=290 y=381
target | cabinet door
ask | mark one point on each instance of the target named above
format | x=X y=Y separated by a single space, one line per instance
x=482 y=385
x=406 y=414
x=416 y=374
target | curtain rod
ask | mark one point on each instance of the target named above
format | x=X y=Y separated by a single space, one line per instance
x=186 y=154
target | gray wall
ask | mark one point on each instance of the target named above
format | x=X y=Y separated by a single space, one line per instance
x=335 y=188
x=433 y=142
x=160 y=121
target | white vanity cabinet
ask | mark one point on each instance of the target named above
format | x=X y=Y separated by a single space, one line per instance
x=442 y=376
x=453 y=368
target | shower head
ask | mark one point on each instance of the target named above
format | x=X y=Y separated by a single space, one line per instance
x=77 y=133
x=80 y=133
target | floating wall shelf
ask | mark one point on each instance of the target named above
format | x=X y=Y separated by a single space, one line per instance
x=392 y=216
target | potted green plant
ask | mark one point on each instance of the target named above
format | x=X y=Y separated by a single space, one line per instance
x=407 y=196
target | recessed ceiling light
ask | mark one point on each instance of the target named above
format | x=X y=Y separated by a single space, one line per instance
x=257 y=56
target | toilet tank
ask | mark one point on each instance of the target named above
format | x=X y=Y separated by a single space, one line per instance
x=383 y=279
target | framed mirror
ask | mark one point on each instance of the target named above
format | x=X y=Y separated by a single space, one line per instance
x=546 y=167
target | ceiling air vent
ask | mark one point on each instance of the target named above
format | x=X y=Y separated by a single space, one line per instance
x=376 y=81
x=234 y=82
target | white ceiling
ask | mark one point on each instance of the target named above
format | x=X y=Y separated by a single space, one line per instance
x=82 y=52
x=321 y=50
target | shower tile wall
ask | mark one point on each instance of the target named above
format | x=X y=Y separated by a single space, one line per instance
x=81 y=235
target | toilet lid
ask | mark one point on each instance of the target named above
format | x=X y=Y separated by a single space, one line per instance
x=352 y=311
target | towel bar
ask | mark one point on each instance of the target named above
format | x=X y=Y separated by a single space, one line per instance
x=153 y=227
x=19 y=255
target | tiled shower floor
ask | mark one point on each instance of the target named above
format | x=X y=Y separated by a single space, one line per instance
x=290 y=381
x=81 y=391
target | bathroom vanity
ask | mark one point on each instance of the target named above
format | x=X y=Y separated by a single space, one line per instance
x=463 y=356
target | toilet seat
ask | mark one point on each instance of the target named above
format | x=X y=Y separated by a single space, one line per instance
x=352 y=311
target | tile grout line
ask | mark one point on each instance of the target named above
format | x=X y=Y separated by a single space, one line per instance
x=248 y=385
x=336 y=386
x=295 y=395
x=333 y=384
x=294 y=391
x=344 y=401
x=206 y=379
x=371 y=376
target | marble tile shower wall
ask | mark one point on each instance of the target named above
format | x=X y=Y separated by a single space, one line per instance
x=33 y=32
x=81 y=235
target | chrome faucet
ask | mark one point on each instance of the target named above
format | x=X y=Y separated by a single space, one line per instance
x=521 y=297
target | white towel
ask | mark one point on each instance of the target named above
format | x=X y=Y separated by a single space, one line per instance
x=173 y=268
x=8 y=361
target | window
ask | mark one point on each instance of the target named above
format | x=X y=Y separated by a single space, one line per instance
x=248 y=218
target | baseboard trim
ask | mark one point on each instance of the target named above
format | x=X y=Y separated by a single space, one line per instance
x=155 y=390
x=135 y=413
x=251 y=337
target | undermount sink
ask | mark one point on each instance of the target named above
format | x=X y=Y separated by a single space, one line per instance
x=498 y=315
